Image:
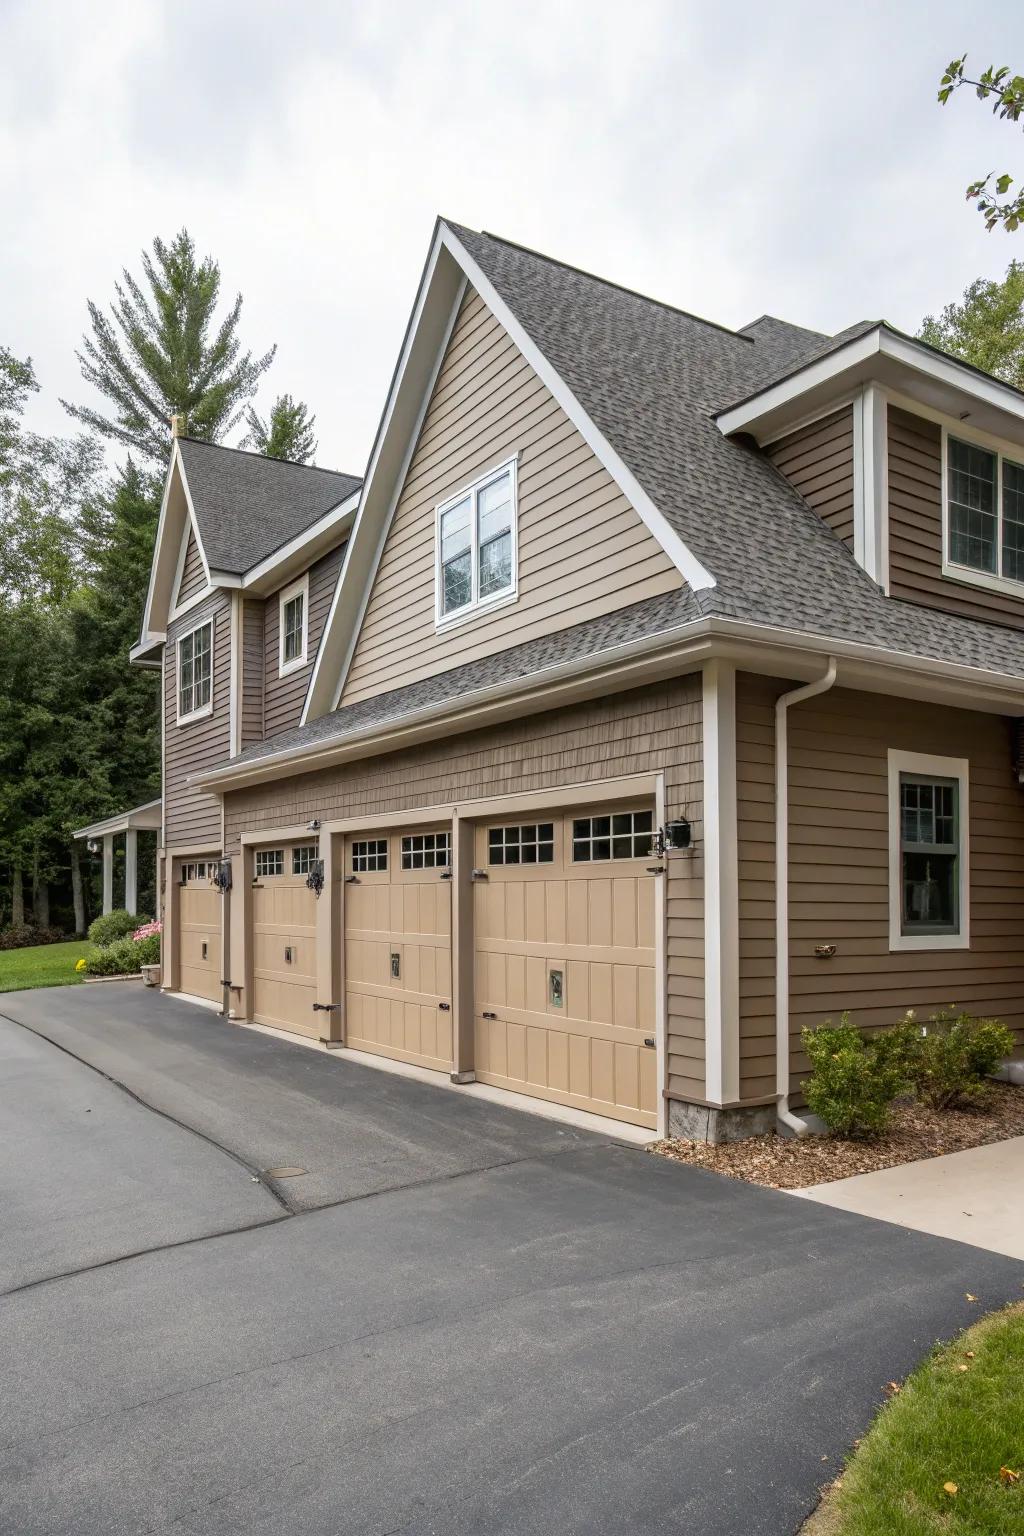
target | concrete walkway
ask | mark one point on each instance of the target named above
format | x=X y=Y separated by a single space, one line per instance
x=975 y=1197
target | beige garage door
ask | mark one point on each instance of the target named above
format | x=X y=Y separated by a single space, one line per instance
x=284 y=939
x=200 y=907
x=564 y=960
x=398 y=948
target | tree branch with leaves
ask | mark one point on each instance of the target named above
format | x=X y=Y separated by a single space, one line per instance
x=1007 y=94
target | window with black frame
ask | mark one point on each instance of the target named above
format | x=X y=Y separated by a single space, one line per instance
x=929 y=854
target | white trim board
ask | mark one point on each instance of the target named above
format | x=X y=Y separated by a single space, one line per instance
x=957 y=768
x=721 y=886
x=448 y=270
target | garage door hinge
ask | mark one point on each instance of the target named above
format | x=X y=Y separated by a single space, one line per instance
x=445 y=1007
x=655 y=869
x=325 y=1007
x=351 y=879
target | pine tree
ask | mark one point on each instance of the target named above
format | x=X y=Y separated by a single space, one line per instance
x=163 y=354
x=287 y=434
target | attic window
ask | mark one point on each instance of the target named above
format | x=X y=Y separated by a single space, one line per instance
x=476 y=546
x=293 y=604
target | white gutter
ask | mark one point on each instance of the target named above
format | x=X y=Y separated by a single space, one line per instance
x=782 y=705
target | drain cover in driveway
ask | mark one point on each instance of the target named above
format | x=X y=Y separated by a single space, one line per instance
x=283 y=1173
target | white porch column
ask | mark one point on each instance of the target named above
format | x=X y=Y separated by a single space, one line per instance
x=131 y=869
x=108 y=871
x=721 y=885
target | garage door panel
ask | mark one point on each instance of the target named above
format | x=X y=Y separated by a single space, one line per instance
x=579 y=1036
x=402 y=913
x=199 y=928
x=283 y=946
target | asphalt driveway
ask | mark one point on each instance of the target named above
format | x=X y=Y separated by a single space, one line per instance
x=468 y=1320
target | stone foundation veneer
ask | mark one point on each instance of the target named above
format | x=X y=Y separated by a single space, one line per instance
x=703 y=1122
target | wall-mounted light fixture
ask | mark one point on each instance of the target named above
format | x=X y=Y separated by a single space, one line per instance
x=314 y=825
x=92 y=845
x=315 y=878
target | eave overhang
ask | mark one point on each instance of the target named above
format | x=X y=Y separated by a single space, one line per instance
x=787 y=654
x=900 y=364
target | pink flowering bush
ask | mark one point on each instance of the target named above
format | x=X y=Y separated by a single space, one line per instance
x=148 y=930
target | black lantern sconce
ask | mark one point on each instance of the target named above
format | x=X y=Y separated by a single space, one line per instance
x=221 y=876
x=315 y=878
x=673 y=837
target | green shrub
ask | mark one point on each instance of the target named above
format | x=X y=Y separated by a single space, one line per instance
x=955 y=1055
x=27 y=935
x=113 y=926
x=855 y=1077
x=118 y=959
x=147 y=950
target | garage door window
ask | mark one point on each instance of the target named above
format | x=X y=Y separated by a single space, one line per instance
x=303 y=858
x=530 y=844
x=194 y=872
x=426 y=850
x=269 y=861
x=369 y=855
x=624 y=835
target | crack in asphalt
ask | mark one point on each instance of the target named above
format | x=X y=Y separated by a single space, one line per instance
x=288 y=1210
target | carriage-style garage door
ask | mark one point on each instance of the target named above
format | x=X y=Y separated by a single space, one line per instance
x=398 y=951
x=199 y=931
x=284 y=938
x=564 y=960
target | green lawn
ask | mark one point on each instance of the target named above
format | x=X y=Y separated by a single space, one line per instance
x=42 y=965
x=942 y=1453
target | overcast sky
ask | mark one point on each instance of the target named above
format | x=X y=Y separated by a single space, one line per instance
x=729 y=158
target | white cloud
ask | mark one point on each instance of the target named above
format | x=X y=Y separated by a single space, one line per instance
x=731 y=160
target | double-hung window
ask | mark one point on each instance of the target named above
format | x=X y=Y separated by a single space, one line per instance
x=984 y=512
x=476 y=546
x=195 y=672
x=293 y=604
x=928 y=890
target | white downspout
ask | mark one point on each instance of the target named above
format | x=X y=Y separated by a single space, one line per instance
x=782 y=704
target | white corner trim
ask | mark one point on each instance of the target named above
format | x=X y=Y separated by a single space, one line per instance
x=235 y=686
x=871 y=484
x=698 y=577
x=944 y=768
x=297 y=588
x=721 y=886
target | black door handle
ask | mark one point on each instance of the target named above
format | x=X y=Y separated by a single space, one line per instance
x=445 y=1007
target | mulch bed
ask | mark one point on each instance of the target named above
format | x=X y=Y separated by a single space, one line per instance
x=916 y=1132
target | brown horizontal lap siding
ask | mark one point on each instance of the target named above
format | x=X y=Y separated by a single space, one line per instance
x=190 y=816
x=193 y=577
x=839 y=868
x=284 y=697
x=641 y=732
x=583 y=550
x=818 y=461
x=252 y=672
x=915 y=528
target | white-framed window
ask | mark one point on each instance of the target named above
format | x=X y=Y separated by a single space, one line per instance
x=293 y=626
x=194 y=871
x=304 y=857
x=983 y=514
x=476 y=557
x=617 y=835
x=929 y=890
x=195 y=672
x=369 y=854
x=427 y=850
x=269 y=861
x=527 y=843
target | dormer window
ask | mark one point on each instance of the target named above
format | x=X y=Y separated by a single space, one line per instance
x=293 y=605
x=476 y=546
x=984 y=514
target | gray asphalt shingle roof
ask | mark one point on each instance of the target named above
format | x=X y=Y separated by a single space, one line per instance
x=653 y=378
x=247 y=505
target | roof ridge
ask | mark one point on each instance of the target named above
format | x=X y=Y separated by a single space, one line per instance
x=608 y=282
x=252 y=453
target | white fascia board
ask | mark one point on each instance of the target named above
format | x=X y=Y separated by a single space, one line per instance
x=691 y=569
x=365 y=546
x=744 y=417
x=158 y=545
x=879 y=342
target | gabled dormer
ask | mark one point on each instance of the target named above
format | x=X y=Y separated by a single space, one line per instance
x=913 y=458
